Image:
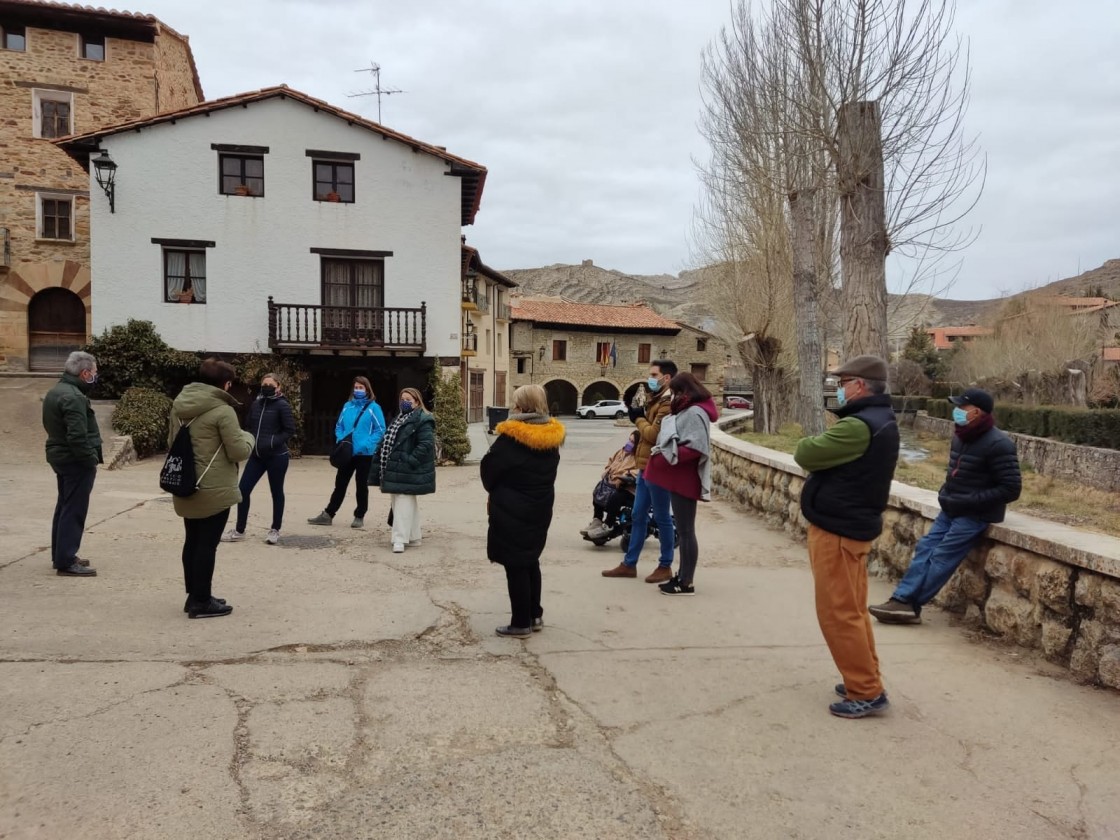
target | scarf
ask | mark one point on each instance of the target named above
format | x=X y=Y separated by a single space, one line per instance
x=974 y=430
x=390 y=439
x=530 y=417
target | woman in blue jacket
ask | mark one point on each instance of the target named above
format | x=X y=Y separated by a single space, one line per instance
x=361 y=417
x=272 y=425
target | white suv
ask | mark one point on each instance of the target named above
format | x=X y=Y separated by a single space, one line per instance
x=603 y=408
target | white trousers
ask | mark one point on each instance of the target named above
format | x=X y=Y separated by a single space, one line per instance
x=406 y=517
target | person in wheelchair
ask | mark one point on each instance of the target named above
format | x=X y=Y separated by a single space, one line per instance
x=614 y=491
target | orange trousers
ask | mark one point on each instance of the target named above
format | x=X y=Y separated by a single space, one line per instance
x=840 y=579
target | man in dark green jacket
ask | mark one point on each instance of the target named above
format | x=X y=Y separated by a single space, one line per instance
x=73 y=451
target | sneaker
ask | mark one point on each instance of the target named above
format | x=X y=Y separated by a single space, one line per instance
x=895 y=612
x=233 y=535
x=208 y=609
x=860 y=708
x=273 y=536
x=660 y=575
x=675 y=587
x=515 y=632
x=622 y=571
x=358 y=522
x=398 y=548
x=323 y=518
x=600 y=532
x=594 y=525
x=538 y=625
x=842 y=690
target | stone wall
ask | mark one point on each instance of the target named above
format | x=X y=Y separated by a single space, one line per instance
x=1088 y=465
x=1037 y=584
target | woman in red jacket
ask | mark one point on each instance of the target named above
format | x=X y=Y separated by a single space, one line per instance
x=680 y=464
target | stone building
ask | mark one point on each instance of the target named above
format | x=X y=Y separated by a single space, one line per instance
x=485 y=335
x=582 y=353
x=66 y=69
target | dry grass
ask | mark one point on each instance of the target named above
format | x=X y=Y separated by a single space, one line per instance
x=1046 y=498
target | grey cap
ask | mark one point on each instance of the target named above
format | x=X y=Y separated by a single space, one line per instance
x=863 y=367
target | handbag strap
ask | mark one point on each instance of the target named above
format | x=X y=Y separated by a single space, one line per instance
x=354 y=428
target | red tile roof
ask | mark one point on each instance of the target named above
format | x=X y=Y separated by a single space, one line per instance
x=552 y=310
x=473 y=174
x=942 y=335
x=472 y=261
x=1111 y=354
x=78 y=7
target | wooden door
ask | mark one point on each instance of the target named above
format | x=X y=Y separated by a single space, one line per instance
x=56 y=326
x=476 y=396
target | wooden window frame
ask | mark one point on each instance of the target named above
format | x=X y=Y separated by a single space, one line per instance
x=559 y=350
x=701 y=345
x=187 y=284
x=335 y=165
x=242 y=159
x=645 y=353
x=699 y=370
x=13 y=31
x=41 y=224
x=41 y=100
x=85 y=41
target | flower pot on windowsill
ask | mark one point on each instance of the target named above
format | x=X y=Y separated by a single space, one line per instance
x=242 y=189
x=186 y=297
x=335 y=197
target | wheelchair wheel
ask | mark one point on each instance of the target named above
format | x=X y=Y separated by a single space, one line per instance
x=601 y=541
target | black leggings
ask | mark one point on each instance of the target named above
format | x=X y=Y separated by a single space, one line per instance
x=200 y=548
x=358 y=469
x=684 y=510
x=524 y=584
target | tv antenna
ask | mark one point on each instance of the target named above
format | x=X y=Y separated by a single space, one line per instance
x=374 y=69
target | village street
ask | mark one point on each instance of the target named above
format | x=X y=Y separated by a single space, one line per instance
x=354 y=693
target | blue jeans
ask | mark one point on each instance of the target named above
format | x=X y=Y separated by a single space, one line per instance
x=648 y=496
x=937 y=556
x=276 y=466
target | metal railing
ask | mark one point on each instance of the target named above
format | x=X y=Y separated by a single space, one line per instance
x=309 y=325
x=476 y=294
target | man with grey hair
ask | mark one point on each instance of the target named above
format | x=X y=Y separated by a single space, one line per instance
x=73 y=451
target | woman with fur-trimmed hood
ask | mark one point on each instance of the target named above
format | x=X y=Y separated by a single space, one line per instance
x=519 y=473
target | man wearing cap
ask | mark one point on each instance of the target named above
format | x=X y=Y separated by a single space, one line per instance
x=850 y=469
x=982 y=478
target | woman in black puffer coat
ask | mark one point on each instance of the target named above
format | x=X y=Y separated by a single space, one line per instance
x=272 y=424
x=406 y=468
x=519 y=473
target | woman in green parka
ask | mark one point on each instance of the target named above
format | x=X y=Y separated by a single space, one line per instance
x=407 y=466
x=206 y=408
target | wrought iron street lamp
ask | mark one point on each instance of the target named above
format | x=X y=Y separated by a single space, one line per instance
x=105 y=169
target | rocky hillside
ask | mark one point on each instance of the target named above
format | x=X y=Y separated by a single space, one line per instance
x=679 y=297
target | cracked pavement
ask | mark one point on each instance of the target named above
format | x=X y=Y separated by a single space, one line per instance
x=355 y=693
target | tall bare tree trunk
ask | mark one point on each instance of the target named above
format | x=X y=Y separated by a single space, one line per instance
x=863 y=231
x=809 y=407
x=762 y=356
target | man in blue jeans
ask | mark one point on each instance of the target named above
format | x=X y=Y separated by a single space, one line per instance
x=982 y=478
x=648 y=496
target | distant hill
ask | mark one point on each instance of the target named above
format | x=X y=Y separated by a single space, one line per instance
x=679 y=296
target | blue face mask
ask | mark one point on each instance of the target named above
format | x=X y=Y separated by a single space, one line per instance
x=653 y=384
x=359 y=394
x=960 y=416
x=841 y=397
x=406 y=407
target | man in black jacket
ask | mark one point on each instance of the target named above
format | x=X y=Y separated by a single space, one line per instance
x=983 y=477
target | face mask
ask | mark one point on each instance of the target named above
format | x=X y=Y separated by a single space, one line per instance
x=629 y=447
x=359 y=394
x=653 y=384
x=406 y=407
x=268 y=390
x=960 y=416
x=841 y=397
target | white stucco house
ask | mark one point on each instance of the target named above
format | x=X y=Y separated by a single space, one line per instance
x=274 y=220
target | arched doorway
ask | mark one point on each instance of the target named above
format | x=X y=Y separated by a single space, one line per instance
x=562 y=396
x=600 y=390
x=56 y=326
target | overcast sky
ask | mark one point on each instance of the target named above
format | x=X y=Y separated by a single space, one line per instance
x=585 y=111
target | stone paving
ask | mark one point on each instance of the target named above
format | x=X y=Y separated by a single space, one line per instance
x=355 y=693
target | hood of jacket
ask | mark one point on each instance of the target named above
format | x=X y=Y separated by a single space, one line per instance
x=542 y=436
x=198 y=398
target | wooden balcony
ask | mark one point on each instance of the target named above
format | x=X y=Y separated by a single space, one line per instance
x=380 y=330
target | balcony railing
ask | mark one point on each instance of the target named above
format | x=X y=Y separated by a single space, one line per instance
x=474 y=297
x=470 y=344
x=503 y=312
x=300 y=325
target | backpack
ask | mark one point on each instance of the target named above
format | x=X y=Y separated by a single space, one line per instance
x=177 y=473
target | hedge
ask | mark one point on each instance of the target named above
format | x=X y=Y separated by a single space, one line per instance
x=144 y=414
x=1083 y=426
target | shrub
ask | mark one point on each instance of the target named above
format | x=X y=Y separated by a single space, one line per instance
x=133 y=355
x=451 y=421
x=144 y=413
